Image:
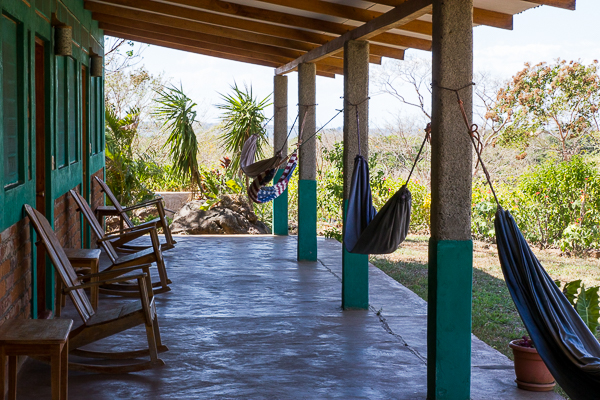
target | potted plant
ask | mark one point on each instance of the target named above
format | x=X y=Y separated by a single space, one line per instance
x=532 y=373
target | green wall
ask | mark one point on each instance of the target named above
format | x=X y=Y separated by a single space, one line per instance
x=64 y=147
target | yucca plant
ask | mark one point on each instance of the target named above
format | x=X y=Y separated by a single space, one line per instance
x=176 y=110
x=243 y=116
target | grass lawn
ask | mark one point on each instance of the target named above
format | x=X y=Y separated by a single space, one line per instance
x=495 y=318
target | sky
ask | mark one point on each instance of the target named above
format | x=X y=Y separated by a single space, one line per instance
x=540 y=34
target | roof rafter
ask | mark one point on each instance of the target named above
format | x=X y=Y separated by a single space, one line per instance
x=408 y=11
x=480 y=16
x=292 y=20
x=141 y=28
x=566 y=4
x=111 y=22
x=98 y=10
x=259 y=53
x=321 y=70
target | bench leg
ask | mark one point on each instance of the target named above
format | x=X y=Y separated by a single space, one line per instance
x=64 y=371
x=12 y=377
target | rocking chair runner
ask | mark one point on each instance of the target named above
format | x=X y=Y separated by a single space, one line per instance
x=122 y=212
x=105 y=323
x=109 y=242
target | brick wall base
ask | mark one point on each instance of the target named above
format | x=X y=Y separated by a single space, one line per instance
x=15 y=271
x=67 y=221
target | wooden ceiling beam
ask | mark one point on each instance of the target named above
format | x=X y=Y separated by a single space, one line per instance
x=481 y=16
x=566 y=4
x=219 y=54
x=297 y=21
x=109 y=22
x=334 y=65
x=408 y=11
x=103 y=11
x=208 y=42
x=274 y=25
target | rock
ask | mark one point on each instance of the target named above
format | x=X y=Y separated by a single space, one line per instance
x=231 y=215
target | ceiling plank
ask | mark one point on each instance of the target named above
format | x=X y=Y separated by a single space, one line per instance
x=253 y=25
x=102 y=10
x=566 y=4
x=349 y=12
x=107 y=21
x=211 y=53
x=481 y=16
x=408 y=11
x=292 y=20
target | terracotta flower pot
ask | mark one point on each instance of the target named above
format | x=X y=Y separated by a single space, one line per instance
x=532 y=373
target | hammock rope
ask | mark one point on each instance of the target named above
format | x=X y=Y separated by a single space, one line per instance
x=566 y=345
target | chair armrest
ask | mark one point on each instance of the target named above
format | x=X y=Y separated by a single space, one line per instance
x=127 y=232
x=122 y=278
x=144 y=204
x=116 y=272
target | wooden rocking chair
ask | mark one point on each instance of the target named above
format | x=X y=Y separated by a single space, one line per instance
x=121 y=211
x=98 y=325
x=109 y=242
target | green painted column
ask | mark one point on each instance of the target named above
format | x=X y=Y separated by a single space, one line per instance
x=450 y=246
x=355 y=267
x=280 y=102
x=307 y=164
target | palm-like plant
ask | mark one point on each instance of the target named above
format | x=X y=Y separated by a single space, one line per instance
x=176 y=110
x=242 y=117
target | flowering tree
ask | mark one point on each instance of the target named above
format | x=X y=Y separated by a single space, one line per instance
x=560 y=100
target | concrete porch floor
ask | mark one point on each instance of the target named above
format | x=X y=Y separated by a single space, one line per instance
x=246 y=320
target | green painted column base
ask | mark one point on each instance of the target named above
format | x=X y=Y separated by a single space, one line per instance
x=280 y=210
x=449 y=319
x=307 y=220
x=355 y=277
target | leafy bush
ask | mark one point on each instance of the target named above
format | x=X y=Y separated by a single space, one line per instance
x=555 y=204
x=585 y=301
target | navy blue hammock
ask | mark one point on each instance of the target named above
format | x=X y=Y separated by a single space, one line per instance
x=367 y=231
x=566 y=345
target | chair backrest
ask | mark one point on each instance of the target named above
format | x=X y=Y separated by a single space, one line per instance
x=89 y=216
x=111 y=196
x=61 y=263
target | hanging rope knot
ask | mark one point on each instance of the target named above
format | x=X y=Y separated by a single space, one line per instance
x=359 y=103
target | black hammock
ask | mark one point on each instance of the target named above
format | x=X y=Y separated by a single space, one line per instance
x=370 y=232
x=565 y=343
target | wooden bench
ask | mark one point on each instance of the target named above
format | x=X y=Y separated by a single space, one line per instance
x=40 y=337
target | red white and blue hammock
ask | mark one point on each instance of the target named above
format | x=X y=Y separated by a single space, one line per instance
x=259 y=193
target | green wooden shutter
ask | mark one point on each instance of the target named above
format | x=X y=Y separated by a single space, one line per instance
x=60 y=111
x=93 y=111
x=73 y=128
x=10 y=94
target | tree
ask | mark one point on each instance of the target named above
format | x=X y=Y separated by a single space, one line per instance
x=559 y=101
x=176 y=110
x=243 y=116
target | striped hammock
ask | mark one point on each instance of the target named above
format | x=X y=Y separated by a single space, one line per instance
x=259 y=193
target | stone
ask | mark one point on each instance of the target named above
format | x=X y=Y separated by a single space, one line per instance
x=231 y=215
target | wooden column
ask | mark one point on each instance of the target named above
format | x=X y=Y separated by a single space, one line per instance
x=307 y=164
x=355 y=267
x=280 y=105
x=450 y=245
